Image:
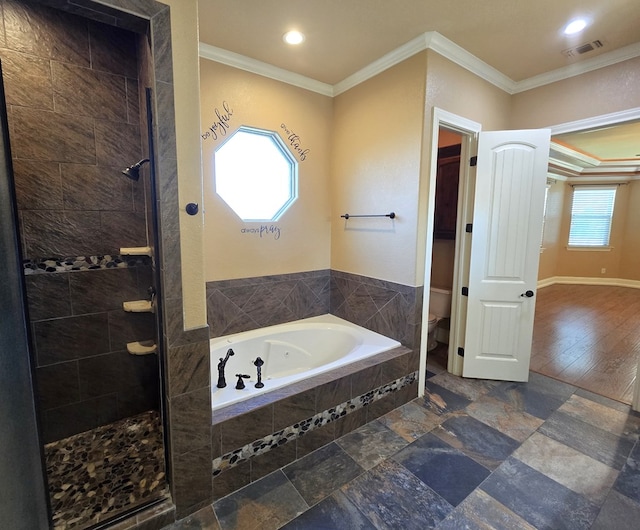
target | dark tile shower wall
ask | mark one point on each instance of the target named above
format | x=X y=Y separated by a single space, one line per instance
x=74 y=120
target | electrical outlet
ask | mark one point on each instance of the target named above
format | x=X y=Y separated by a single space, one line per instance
x=603 y=270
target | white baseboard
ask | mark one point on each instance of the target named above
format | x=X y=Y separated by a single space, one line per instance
x=578 y=280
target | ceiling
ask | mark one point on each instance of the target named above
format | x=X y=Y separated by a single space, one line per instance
x=521 y=40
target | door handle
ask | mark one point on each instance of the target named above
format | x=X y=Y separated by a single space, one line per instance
x=528 y=294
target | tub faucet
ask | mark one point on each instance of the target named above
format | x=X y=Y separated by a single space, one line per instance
x=223 y=362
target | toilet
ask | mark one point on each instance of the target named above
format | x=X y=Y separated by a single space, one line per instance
x=439 y=308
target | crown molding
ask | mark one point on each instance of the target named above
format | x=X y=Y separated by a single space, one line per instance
x=604 y=120
x=219 y=55
x=431 y=40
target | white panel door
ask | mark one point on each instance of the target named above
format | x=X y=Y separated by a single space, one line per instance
x=505 y=250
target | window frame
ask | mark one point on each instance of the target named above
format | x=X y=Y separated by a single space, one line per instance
x=286 y=154
x=581 y=244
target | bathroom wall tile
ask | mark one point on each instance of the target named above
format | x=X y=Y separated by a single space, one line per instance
x=190 y=420
x=142 y=397
x=78 y=417
x=298 y=300
x=91 y=187
x=117 y=144
x=188 y=367
x=168 y=193
x=113 y=50
x=127 y=327
x=216 y=441
x=172 y=278
x=394 y=369
x=407 y=394
x=165 y=112
x=247 y=428
x=27 y=80
x=82 y=91
x=117 y=372
x=58 y=385
x=350 y=422
x=231 y=480
x=122 y=229
x=365 y=380
x=103 y=289
x=191 y=483
x=133 y=102
x=38 y=185
x=381 y=406
x=161 y=35
x=48 y=296
x=71 y=338
x=46 y=32
x=398 y=313
x=51 y=233
x=312 y=440
x=296 y=408
x=333 y=393
x=61 y=138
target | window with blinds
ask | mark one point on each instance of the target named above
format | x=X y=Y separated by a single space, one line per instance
x=591 y=214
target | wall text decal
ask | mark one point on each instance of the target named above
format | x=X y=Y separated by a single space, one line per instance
x=263 y=231
x=221 y=124
x=295 y=143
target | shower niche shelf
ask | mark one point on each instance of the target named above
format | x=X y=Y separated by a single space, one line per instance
x=136 y=251
x=138 y=306
x=143 y=347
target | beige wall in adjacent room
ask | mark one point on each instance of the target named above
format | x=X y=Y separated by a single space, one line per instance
x=552 y=242
x=630 y=260
x=586 y=263
x=304 y=229
x=184 y=43
x=375 y=170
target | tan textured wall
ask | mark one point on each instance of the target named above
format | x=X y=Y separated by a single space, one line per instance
x=256 y=101
x=184 y=41
x=579 y=263
x=630 y=260
x=611 y=89
x=552 y=228
x=456 y=90
x=375 y=170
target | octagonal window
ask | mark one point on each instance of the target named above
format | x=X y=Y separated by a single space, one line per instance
x=255 y=174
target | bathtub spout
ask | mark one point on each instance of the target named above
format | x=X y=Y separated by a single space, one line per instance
x=223 y=362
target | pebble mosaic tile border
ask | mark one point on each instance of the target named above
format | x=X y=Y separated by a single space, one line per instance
x=81 y=263
x=264 y=445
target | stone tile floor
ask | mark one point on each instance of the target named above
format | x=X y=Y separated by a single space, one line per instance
x=470 y=454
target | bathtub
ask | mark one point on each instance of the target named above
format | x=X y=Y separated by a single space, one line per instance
x=291 y=352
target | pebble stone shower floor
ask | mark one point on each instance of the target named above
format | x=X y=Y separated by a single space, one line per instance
x=99 y=474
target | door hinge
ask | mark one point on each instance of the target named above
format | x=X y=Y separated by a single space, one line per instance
x=465 y=291
x=473 y=161
x=461 y=352
x=469 y=228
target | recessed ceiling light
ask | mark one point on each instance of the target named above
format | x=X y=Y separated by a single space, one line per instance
x=293 y=37
x=575 y=26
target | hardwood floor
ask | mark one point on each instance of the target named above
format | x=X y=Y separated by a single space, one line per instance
x=588 y=336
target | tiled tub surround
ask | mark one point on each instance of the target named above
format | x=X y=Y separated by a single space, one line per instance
x=254 y=437
x=96 y=475
x=391 y=309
